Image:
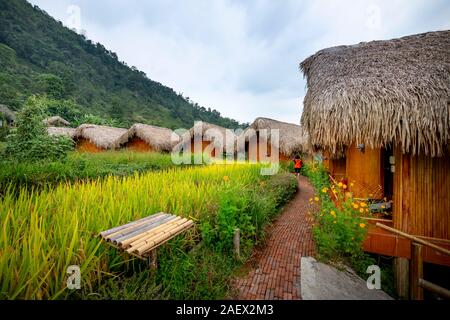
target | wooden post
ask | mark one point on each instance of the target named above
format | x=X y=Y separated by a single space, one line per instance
x=152 y=260
x=401 y=271
x=237 y=243
x=416 y=271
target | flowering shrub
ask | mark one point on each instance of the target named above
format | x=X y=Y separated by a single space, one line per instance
x=339 y=229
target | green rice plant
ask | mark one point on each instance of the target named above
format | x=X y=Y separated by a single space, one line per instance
x=45 y=231
x=80 y=166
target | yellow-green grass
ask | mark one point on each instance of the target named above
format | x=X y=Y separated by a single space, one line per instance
x=44 y=232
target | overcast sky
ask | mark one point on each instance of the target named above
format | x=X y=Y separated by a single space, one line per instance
x=240 y=57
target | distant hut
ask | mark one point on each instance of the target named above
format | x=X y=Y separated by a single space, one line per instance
x=95 y=138
x=387 y=104
x=7 y=117
x=61 y=131
x=292 y=139
x=146 y=138
x=216 y=138
x=56 y=121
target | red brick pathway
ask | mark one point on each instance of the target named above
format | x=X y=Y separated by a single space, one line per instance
x=276 y=271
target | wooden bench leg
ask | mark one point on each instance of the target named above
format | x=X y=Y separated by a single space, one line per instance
x=152 y=260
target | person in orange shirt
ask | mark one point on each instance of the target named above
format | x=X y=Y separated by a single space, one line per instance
x=297 y=165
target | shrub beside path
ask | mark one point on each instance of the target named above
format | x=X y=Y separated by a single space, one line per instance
x=275 y=271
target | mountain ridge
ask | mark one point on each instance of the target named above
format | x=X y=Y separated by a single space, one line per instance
x=38 y=55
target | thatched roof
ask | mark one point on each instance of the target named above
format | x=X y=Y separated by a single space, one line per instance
x=9 y=115
x=292 y=138
x=380 y=93
x=102 y=136
x=158 y=138
x=56 y=121
x=214 y=133
x=61 y=131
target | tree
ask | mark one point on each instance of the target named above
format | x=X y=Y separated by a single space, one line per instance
x=29 y=140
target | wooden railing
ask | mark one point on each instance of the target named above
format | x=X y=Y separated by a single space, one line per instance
x=417 y=283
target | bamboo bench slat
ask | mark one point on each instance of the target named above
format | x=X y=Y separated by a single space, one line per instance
x=141 y=228
x=113 y=230
x=139 y=238
x=123 y=231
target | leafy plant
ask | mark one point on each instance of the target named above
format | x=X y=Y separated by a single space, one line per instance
x=29 y=140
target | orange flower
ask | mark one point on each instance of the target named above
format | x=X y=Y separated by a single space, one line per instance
x=226 y=178
x=362 y=225
x=361 y=210
x=344 y=186
x=355 y=205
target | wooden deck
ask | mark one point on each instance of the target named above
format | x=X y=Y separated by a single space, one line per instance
x=382 y=242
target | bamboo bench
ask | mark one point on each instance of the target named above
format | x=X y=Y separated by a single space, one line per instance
x=140 y=238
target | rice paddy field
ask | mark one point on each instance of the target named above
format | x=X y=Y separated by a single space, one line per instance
x=81 y=166
x=45 y=230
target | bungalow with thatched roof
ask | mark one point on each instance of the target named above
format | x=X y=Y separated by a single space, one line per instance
x=56 y=121
x=61 y=131
x=387 y=105
x=211 y=139
x=96 y=138
x=292 y=139
x=7 y=117
x=143 y=137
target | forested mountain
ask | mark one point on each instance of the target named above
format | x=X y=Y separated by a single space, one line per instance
x=38 y=55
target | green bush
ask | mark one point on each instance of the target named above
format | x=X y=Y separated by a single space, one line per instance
x=29 y=140
x=339 y=231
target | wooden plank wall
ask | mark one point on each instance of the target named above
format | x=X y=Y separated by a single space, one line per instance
x=84 y=145
x=338 y=168
x=138 y=145
x=365 y=171
x=422 y=195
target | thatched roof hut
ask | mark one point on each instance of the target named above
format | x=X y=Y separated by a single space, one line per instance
x=157 y=138
x=393 y=97
x=292 y=138
x=61 y=131
x=102 y=137
x=56 y=121
x=381 y=92
x=220 y=136
x=7 y=114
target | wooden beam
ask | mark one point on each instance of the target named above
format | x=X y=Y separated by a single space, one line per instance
x=414 y=238
x=416 y=273
x=401 y=271
x=445 y=293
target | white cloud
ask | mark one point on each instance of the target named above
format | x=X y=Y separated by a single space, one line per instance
x=238 y=57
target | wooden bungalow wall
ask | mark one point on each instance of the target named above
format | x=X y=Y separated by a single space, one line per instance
x=422 y=195
x=138 y=145
x=365 y=171
x=84 y=145
x=256 y=149
x=337 y=168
